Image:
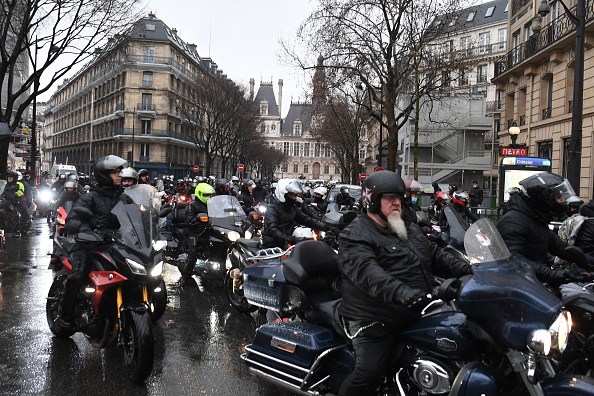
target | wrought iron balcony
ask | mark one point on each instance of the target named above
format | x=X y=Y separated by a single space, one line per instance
x=546 y=113
x=553 y=32
x=494 y=106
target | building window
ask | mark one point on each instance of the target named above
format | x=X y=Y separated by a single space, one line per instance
x=150 y=27
x=262 y=129
x=263 y=108
x=465 y=44
x=502 y=33
x=149 y=54
x=285 y=167
x=361 y=154
x=145 y=127
x=147 y=79
x=306 y=149
x=316 y=149
x=326 y=169
x=566 y=155
x=286 y=148
x=147 y=102
x=306 y=168
x=145 y=151
x=545 y=149
x=295 y=149
x=273 y=127
x=327 y=151
x=489 y=12
x=337 y=170
x=482 y=74
x=463 y=77
x=485 y=42
x=297 y=128
x=470 y=16
x=295 y=168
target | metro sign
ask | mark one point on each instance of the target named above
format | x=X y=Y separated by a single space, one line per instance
x=506 y=151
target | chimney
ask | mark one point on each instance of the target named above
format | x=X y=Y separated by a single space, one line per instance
x=252 y=83
x=193 y=47
x=174 y=31
x=280 y=97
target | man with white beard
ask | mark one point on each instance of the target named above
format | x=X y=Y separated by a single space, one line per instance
x=387 y=267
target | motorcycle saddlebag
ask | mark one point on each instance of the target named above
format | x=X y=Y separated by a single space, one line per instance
x=288 y=351
x=264 y=285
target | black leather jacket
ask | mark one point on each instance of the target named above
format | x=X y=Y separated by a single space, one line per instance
x=279 y=220
x=374 y=263
x=526 y=233
x=195 y=208
x=100 y=201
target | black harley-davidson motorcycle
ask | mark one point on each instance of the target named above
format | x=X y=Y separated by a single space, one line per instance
x=115 y=305
x=498 y=337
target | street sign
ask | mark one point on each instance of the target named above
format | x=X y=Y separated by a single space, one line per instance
x=362 y=176
x=379 y=168
x=240 y=167
x=195 y=168
x=510 y=151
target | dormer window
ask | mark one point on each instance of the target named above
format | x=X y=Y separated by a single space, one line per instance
x=490 y=11
x=297 y=128
x=263 y=108
x=471 y=16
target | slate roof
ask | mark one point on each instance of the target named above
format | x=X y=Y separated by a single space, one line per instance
x=480 y=18
x=297 y=111
x=266 y=93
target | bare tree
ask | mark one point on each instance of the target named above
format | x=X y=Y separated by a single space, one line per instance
x=41 y=32
x=219 y=118
x=265 y=160
x=374 y=42
x=342 y=123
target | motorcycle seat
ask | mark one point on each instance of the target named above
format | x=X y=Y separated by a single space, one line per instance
x=251 y=244
x=325 y=314
x=310 y=260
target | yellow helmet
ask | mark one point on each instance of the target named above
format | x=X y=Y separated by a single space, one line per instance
x=204 y=192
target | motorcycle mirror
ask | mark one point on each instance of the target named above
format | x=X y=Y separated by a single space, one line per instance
x=83 y=213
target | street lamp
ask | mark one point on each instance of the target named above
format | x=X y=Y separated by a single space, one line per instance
x=514 y=131
x=575 y=147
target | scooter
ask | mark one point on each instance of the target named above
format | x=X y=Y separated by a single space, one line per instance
x=498 y=336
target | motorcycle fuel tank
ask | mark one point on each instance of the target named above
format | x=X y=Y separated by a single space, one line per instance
x=444 y=334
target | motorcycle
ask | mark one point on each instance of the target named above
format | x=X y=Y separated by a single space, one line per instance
x=9 y=216
x=495 y=338
x=115 y=305
x=244 y=253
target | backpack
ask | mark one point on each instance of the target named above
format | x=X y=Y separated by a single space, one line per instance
x=570 y=227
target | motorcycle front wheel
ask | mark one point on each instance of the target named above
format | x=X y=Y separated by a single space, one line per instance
x=52 y=308
x=139 y=345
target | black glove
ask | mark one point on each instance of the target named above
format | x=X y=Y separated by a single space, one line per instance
x=581 y=276
x=84 y=227
x=466 y=270
x=558 y=277
x=413 y=298
x=291 y=240
x=335 y=231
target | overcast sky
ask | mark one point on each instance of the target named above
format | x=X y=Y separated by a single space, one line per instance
x=241 y=36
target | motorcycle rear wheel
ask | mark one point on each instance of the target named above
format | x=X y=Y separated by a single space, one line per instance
x=139 y=345
x=158 y=302
x=52 y=308
x=236 y=299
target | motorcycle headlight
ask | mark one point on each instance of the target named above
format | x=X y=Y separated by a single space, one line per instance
x=157 y=270
x=159 y=245
x=560 y=330
x=540 y=341
x=136 y=268
x=262 y=209
x=45 y=196
x=233 y=236
x=248 y=234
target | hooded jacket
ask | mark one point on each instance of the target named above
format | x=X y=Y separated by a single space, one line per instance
x=585 y=236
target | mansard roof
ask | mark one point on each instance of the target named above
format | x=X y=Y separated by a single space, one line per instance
x=297 y=112
x=266 y=93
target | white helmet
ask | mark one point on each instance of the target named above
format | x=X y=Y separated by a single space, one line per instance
x=234 y=178
x=287 y=186
x=322 y=191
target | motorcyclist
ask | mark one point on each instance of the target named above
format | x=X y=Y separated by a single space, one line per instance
x=270 y=197
x=196 y=229
x=319 y=200
x=525 y=226
x=282 y=214
x=460 y=204
x=235 y=188
x=101 y=199
x=129 y=177
x=14 y=192
x=259 y=192
x=70 y=193
x=28 y=184
x=343 y=198
x=410 y=205
x=387 y=268
x=143 y=176
x=222 y=187
x=58 y=185
x=246 y=198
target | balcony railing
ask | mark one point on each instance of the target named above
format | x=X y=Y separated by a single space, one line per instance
x=523 y=120
x=153 y=133
x=494 y=105
x=554 y=31
x=145 y=107
x=546 y=113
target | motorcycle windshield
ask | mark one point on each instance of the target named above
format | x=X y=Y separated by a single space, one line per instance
x=458 y=227
x=504 y=296
x=225 y=211
x=139 y=221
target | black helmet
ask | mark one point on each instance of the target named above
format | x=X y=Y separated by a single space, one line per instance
x=143 y=172
x=377 y=184
x=344 y=190
x=13 y=173
x=547 y=193
x=104 y=165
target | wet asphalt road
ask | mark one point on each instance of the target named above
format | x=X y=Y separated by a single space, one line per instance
x=198 y=340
